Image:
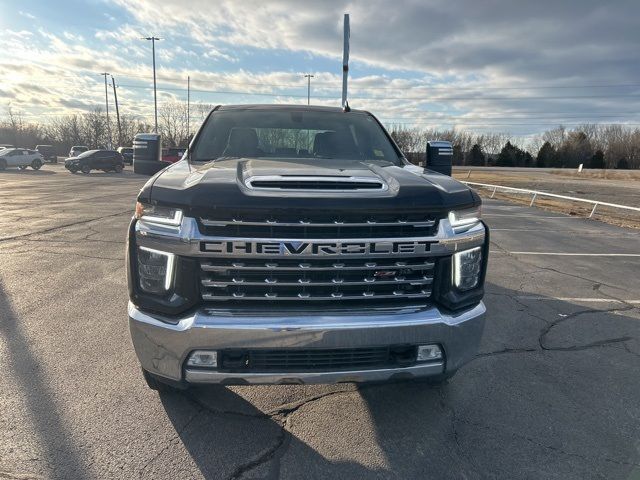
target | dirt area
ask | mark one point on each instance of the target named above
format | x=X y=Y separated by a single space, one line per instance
x=621 y=187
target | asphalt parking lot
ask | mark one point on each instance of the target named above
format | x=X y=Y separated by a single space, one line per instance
x=553 y=393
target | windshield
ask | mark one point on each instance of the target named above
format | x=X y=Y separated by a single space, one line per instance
x=86 y=154
x=293 y=134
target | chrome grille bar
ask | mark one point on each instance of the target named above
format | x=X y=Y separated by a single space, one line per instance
x=274 y=266
x=309 y=297
x=310 y=283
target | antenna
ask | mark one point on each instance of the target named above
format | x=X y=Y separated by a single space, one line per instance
x=345 y=63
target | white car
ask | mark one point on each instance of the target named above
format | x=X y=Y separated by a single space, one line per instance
x=21 y=158
x=77 y=150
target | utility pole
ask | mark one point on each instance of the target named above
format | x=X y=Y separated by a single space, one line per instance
x=106 y=102
x=308 y=77
x=115 y=96
x=155 y=98
x=188 y=105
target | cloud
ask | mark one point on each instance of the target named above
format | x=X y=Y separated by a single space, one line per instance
x=436 y=63
x=27 y=15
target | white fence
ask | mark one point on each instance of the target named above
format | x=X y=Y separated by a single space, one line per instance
x=536 y=193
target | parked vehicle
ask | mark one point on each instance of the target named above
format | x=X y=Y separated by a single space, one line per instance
x=299 y=245
x=21 y=158
x=127 y=154
x=77 y=150
x=48 y=153
x=172 y=154
x=105 y=160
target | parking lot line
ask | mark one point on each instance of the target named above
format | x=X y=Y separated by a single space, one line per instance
x=568 y=254
x=578 y=299
x=529 y=215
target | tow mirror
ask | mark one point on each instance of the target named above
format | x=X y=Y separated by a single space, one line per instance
x=440 y=156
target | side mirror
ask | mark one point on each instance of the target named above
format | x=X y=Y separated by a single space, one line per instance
x=147 y=154
x=439 y=156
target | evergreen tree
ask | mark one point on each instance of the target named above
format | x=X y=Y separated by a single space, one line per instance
x=476 y=156
x=597 y=160
x=623 y=164
x=545 y=156
x=506 y=157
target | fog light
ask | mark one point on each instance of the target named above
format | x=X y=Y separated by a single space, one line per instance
x=203 y=358
x=427 y=353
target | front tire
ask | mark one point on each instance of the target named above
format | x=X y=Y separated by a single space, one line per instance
x=117 y=168
x=73 y=170
x=86 y=169
x=36 y=164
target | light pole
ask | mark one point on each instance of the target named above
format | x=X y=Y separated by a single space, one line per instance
x=115 y=97
x=106 y=102
x=308 y=77
x=155 y=98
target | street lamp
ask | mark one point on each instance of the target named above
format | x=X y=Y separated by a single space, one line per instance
x=308 y=77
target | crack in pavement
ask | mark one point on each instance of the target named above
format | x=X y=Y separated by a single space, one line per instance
x=61 y=227
x=94 y=257
x=166 y=446
x=281 y=415
x=550 y=324
x=454 y=430
x=543 y=445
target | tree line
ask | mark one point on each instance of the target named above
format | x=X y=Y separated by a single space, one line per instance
x=592 y=145
x=91 y=128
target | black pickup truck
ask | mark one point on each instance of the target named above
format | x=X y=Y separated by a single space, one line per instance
x=296 y=244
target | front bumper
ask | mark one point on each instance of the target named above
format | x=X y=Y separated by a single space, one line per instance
x=163 y=347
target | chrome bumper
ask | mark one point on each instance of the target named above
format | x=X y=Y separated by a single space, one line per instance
x=162 y=347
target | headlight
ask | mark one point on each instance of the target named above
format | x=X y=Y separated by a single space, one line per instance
x=467 y=267
x=155 y=270
x=463 y=220
x=158 y=214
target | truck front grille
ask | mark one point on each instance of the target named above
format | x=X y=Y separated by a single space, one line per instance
x=280 y=279
x=301 y=360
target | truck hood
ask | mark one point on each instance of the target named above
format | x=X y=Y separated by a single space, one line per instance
x=229 y=184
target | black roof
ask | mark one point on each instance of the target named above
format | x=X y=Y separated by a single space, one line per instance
x=308 y=108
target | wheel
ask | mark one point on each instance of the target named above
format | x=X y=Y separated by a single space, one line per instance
x=85 y=169
x=117 y=168
x=154 y=383
x=73 y=170
x=36 y=164
x=3 y=164
x=22 y=167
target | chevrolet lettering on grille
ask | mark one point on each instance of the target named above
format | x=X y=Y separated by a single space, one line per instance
x=292 y=248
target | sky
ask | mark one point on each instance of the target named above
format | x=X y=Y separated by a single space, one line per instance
x=494 y=65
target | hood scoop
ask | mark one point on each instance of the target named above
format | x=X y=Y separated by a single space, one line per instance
x=317 y=183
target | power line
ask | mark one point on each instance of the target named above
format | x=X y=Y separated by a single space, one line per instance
x=425 y=99
x=355 y=81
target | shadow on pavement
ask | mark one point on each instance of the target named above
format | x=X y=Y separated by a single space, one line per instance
x=37 y=392
x=531 y=404
x=27 y=171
